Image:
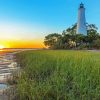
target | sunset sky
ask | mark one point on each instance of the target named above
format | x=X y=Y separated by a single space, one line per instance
x=24 y=23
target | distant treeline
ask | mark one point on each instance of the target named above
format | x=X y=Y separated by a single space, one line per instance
x=69 y=39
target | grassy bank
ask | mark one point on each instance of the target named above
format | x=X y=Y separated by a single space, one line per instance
x=59 y=75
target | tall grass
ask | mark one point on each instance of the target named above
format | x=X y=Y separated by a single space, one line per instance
x=59 y=75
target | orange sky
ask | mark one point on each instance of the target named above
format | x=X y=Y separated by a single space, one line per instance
x=22 y=44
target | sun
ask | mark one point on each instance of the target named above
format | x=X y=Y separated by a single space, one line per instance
x=2 y=46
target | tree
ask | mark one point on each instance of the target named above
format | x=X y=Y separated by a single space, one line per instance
x=96 y=44
x=72 y=30
x=92 y=33
x=52 y=39
x=70 y=39
x=72 y=44
x=79 y=38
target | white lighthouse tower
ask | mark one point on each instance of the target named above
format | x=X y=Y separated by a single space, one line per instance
x=81 y=24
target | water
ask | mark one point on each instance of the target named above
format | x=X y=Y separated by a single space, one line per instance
x=3 y=86
x=7 y=66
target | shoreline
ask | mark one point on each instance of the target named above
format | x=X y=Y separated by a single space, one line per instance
x=8 y=66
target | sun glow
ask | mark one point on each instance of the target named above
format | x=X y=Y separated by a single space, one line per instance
x=2 y=46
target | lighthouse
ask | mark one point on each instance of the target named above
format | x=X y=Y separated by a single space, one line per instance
x=81 y=24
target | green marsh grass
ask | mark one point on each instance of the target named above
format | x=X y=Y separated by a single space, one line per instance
x=59 y=75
